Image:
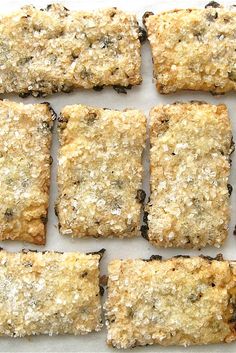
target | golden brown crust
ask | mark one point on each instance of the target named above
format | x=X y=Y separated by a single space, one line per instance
x=193 y=49
x=180 y=301
x=189 y=205
x=100 y=171
x=49 y=293
x=58 y=50
x=25 y=132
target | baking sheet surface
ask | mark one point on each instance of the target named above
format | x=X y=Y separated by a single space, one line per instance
x=143 y=97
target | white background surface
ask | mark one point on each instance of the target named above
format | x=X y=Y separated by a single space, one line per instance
x=143 y=97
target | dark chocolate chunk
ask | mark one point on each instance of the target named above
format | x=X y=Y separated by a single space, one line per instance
x=153 y=258
x=234 y=232
x=232 y=75
x=101 y=290
x=184 y=256
x=98 y=88
x=212 y=17
x=144 y=228
x=8 y=213
x=141 y=195
x=91 y=118
x=230 y=189
x=142 y=34
x=52 y=111
x=146 y=15
x=100 y=253
x=24 y=94
x=106 y=42
x=212 y=4
x=44 y=219
x=121 y=89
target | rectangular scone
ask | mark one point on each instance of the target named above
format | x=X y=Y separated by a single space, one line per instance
x=49 y=293
x=25 y=140
x=193 y=49
x=180 y=301
x=52 y=50
x=190 y=152
x=100 y=171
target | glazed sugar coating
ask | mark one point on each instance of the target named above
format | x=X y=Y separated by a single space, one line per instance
x=193 y=49
x=100 y=171
x=49 y=293
x=42 y=52
x=190 y=166
x=25 y=132
x=174 y=302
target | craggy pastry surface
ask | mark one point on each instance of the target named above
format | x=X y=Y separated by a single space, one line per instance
x=100 y=171
x=189 y=161
x=42 y=52
x=49 y=293
x=174 y=302
x=25 y=139
x=193 y=49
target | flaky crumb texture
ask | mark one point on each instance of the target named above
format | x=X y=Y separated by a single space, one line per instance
x=189 y=158
x=42 y=52
x=194 y=49
x=100 y=171
x=173 y=302
x=25 y=139
x=49 y=293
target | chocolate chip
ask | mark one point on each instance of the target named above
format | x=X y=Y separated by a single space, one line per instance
x=234 y=232
x=100 y=253
x=66 y=89
x=8 y=213
x=84 y=274
x=232 y=75
x=25 y=60
x=98 y=88
x=44 y=219
x=56 y=210
x=219 y=257
x=212 y=4
x=85 y=74
x=232 y=146
x=101 y=290
x=121 y=89
x=153 y=258
x=62 y=119
x=24 y=94
x=144 y=228
x=141 y=195
x=212 y=17
x=142 y=34
x=233 y=317
x=183 y=256
x=106 y=42
x=146 y=15
x=91 y=118
x=230 y=189
x=52 y=111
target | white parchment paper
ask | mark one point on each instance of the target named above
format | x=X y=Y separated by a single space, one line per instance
x=143 y=97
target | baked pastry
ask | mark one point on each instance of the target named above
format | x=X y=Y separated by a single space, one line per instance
x=53 y=50
x=190 y=152
x=193 y=49
x=180 y=301
x=49 y=293
x=100 y=171
x=25 y=142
